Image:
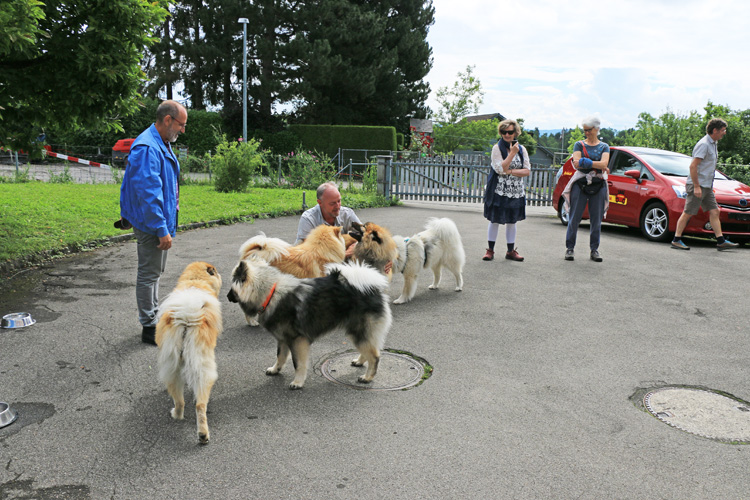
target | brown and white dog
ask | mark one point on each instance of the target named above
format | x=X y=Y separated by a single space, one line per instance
x=438 y=246
x=189 y=324
x=324 y=245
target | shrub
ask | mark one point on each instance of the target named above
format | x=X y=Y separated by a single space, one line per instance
x=195 y=163
x=235 y=164
x=63 y=177
x=307 y=170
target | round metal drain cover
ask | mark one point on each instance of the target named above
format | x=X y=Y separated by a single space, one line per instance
x=396 y=371
x=701 y=412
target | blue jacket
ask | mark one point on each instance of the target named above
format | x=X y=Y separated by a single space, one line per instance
x=148 y=196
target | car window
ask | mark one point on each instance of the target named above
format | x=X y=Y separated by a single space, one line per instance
x=673 y=164
x=624 y=162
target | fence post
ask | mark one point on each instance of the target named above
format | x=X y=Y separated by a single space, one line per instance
x=384 y=188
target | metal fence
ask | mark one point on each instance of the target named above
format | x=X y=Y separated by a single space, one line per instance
x=457 y=180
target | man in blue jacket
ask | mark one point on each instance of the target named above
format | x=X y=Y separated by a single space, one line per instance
x=149 y=201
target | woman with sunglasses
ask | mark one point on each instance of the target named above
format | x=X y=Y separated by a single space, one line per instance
x=588 y=185
x=505 y=198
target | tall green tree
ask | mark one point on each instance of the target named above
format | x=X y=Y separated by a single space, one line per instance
x=460 y=100
x=366 y=62
x=79 y=65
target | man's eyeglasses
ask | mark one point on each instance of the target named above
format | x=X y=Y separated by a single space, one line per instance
x=508 y=132
x=182 y=125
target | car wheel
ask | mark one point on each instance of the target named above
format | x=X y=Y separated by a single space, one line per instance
x=655 y=222
x=562 y=213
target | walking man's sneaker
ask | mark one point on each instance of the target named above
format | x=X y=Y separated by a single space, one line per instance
x=595 y=256
x=569 y=254
x=726 y=245
x=679 y=245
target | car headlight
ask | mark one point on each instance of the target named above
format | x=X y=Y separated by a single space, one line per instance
x=680 y=191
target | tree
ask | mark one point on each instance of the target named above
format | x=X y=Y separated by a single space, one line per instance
x=364 y=62
x=80 y=66
x=575 y=135
x=461 y=100
x=479 y=135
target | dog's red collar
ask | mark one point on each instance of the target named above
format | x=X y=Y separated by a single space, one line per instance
x=268 y=299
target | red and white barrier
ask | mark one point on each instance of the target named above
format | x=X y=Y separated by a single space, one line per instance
x=77 y=160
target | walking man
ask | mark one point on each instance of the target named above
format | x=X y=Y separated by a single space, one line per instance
x=699 y=186
x=149 y=201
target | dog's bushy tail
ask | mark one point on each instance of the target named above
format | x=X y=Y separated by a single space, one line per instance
x=190 y=324
x=445 y=229
x=361 y=276
x=447 y=234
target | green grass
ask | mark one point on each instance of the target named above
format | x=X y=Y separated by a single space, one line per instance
x=39 y=217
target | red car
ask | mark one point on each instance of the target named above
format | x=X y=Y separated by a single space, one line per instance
x=647 y=191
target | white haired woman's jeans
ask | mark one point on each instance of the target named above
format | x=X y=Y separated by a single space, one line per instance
x=151 y=265
x=578 y=201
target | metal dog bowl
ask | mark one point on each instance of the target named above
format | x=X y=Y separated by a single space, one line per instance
x=17 y=320
x=7 y=415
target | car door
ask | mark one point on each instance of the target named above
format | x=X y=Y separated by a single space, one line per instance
x=624 y=191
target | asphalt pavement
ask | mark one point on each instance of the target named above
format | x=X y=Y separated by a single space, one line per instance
x=538 y=375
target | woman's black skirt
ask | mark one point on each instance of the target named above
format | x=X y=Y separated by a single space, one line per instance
x=504 y=210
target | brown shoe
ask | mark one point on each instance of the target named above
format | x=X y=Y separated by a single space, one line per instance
x=513 y=255
x=489 y=255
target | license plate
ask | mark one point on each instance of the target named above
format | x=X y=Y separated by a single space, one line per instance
x=744 y=217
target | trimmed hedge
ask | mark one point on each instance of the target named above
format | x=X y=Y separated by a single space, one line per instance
x=329 y=138
x=202 y=133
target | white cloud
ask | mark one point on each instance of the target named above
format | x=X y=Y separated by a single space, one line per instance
x=554 y=62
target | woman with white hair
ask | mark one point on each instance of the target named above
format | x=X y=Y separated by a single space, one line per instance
x=588 y=185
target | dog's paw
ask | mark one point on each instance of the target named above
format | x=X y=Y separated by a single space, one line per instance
x=400 y=300
x=458 y=288
x=272 y=371
x=176 y=415
x=357 y=362
x=203 y=438
x=252 y=320
x=364 y=379
x=433 y=287
x=296 y=386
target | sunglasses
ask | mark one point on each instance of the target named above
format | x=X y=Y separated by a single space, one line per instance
x=508 y=132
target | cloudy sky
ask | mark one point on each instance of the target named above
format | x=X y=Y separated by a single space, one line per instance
x=554 y=62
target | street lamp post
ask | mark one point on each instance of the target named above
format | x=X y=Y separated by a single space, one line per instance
x=244 y=22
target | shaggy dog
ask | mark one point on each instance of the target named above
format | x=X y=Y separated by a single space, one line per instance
x=375 y=246
x=324 y=245
x=297 y=311
x=189 y=324
x=438 y=246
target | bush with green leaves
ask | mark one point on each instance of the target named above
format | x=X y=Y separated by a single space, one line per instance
x=235 y=164
x=307 y=169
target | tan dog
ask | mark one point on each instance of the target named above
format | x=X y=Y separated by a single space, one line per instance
x=189 y=324
x=324 y=245
x=375 y=246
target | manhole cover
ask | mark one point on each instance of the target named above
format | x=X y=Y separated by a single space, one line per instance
x=701 y=412
x=396 y=371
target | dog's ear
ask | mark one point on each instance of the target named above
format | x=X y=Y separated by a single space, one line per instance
x=337 y=231
x=211 y=270
x=376 y=237
x=359 y=227
x=240 y=272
